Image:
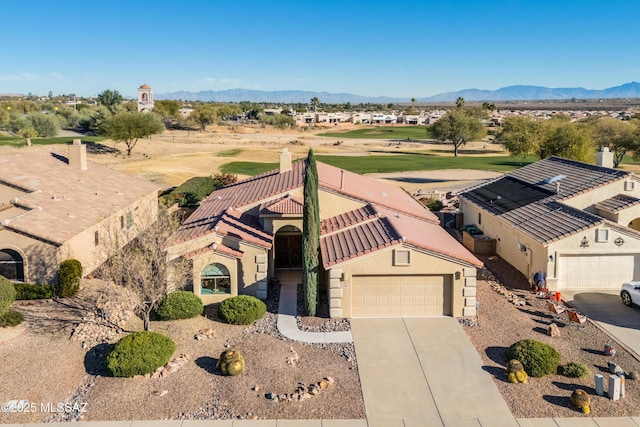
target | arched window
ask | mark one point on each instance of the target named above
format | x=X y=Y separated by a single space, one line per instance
x=145 y=97
x=11 y=265
x=215 y=279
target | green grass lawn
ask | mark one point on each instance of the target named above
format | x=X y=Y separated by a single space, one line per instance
x=20 y=142
x=384 y=132
x=393 y=163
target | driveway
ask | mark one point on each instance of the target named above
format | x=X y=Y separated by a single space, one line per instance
x=424 y=372
x=606 y=308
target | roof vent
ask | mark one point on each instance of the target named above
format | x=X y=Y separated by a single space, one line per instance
x=14 y=200
x=6 y=222
x=383 y=194
x=404 y=239
x=555 y=179
x=214 y=246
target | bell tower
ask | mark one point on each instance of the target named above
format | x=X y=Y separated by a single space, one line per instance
x=145 y=98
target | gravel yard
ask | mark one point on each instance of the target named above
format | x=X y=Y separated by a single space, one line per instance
x=501 y=323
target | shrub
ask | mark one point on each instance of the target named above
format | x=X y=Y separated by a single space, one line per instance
x=139 y=353
x=241 y=310
x=180 y=305
x=574 y=370
x=69 y=277
x=7 y=294
x=28 y=291
x=539 y=359
x=10 y=318
x=432 y=204
x=231 y=363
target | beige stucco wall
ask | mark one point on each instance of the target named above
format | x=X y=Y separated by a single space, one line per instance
x=381 y=262
x=332 y=204
x=40 y=258
x=586 y=201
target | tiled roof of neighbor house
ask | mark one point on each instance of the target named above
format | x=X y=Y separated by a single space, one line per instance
x=272 y=186
x=287 y=205
x=617 y=203
x=578 y=176
x=548 y=221
x=65 y=200
x=375 y=227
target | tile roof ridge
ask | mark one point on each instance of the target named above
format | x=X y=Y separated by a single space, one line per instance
x=370 y=214
x=585 y=165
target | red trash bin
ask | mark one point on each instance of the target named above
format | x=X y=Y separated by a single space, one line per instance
x=558 y=297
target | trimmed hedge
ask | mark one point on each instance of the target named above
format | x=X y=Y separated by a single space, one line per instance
x=7 y=294
x=69 y=277
x=11 y=318
x=29 y=291
x=539 y=359
x=180 y=305
x=241 y=310
x=139 y=353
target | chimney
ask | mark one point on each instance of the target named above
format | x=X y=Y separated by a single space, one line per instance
x=78 y=155
x=604 y=158
x=285 y=161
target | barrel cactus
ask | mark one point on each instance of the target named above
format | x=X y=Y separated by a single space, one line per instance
x=231 y=363
x=516 y=373
x=581 y=399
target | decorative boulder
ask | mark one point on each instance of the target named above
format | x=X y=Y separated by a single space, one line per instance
x=516 y=373
x=581 y=399
x=231 y=363
x=553 y=331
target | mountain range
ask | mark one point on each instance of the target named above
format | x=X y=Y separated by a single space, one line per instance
x=509 y=93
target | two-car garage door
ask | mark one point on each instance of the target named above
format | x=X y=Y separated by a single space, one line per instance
x=379 y=296
x=596 y=271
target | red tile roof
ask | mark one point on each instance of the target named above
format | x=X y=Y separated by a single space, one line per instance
x=347 y=219
x=287 y=205
x=216 y=247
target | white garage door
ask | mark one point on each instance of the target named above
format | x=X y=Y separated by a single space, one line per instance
x=401 y=296
x=595 y=271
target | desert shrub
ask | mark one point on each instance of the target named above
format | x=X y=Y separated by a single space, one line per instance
x=7 y=294
x=231 y=363
x=574 y=370
x=28 y=291
x=241 y=310
x=69 y=277
x=139 y=353
x=10 y=318
x=539 y=359
x=432 y=204
x=180 y=305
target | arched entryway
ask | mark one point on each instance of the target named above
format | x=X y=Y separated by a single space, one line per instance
x=11 y=265
x=288 y=248
x=635 y=224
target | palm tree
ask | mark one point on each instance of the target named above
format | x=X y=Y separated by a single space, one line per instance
x=413 y=101
x=460 y=102
x=315 y=102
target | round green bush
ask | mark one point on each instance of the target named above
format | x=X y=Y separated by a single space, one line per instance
x=139 y=353
x=10 y=318
x=7 y=294
x=69 y=277
x=574 y=370
x=180 y=305
x=539 y=359
x=241 y=310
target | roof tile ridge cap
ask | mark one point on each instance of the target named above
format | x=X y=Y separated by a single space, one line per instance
x=409 y=214
x=388 y=225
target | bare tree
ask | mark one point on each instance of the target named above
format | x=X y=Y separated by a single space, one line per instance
x=141 y=264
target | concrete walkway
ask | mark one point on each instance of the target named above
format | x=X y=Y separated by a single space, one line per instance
x=287 y=310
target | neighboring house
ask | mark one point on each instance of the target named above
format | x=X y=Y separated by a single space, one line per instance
x=382 y=253
x=574 y=221
x=54 y=207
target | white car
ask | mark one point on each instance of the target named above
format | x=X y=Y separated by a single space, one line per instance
x=630 y=293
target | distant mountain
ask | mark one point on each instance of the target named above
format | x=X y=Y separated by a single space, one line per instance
x=522 y=93
x=510 y=93
x=280 y=96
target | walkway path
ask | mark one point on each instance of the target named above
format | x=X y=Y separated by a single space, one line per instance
x=287 y=311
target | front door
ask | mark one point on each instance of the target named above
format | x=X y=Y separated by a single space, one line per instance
x=288 y=247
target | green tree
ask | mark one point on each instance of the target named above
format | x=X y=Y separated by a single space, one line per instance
x=620 y=136
x=45 y=125
x=310 y=236
x=458 y=126
x=315 y=102
x=521 y=135
x=566 y=139
x=110 y=99
x=489 y=106
x=130 y=127
x=460 y=102
x=204 y=115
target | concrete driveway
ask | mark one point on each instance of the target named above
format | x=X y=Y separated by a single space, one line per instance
x=606 y=308
x=424 y=372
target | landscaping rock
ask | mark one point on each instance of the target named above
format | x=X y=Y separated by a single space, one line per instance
x=553 y=331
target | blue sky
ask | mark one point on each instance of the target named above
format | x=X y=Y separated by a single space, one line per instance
x=373 y=48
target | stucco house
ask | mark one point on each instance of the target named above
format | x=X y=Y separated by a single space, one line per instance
x=55 y=206
x=573 y=221
x=382 y=253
